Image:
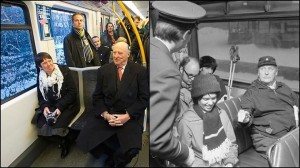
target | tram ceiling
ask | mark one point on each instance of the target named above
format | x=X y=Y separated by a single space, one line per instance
x=105 y=7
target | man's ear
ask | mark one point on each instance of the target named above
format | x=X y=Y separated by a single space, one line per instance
x=186 y=33
x=180 y=69
x=277 y=69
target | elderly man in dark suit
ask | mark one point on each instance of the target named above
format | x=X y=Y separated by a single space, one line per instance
x=120 y=99
x=172 y=32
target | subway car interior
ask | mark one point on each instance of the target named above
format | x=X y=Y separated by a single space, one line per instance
x=30 y=27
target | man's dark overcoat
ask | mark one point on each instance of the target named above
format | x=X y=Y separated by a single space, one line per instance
x=73 y=50
x=131 y=94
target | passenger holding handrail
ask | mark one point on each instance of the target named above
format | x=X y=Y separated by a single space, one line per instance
x=58 y=101
x=135 y=48
x=268 y=107
x=79 y=48
x=119 y=102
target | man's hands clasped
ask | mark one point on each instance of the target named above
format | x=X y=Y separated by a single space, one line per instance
x=116 y=119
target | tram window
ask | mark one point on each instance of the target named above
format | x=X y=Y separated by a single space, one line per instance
x=18 y=71
x=216 y=9
x=278 y=38
x=237 y=7
x=284 y=5
x=61 y=22
x=12 y=15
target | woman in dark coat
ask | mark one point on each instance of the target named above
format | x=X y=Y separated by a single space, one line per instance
x=58 y=101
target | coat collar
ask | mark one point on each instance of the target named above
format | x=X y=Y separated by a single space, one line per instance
x=157 y=43
x=261 y=85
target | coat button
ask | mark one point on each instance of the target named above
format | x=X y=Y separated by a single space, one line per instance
x=269 y=130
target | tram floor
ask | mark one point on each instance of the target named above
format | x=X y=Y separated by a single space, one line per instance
x=50 y=157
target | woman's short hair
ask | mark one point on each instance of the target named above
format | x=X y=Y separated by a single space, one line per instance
x=40 y=57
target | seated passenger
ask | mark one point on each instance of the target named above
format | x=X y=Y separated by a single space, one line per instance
x=120 y=39
x=58 y=101
x=268 y=106
x=119 y=101
x=209 y=65
x=206 y=128
x=103 y=51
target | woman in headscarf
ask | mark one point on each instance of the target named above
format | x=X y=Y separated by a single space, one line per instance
x=58 y=101
x=206 y=128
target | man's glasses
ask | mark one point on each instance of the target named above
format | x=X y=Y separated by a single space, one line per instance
x=190 y=76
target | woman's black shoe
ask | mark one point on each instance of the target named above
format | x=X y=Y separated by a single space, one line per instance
x=64 y=149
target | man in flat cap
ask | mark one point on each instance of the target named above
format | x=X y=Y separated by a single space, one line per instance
x=174 y=25
x=268 y=106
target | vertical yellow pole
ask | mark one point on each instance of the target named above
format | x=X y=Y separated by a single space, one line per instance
x=126 y=31
x=135 y=32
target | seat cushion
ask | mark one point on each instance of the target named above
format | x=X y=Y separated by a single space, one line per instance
x=250 y=158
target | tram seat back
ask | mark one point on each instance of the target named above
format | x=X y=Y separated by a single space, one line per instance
x=89 y=83
x=285 y=152
x=243 y=138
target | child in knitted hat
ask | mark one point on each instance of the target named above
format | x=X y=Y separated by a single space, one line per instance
x=206 y=128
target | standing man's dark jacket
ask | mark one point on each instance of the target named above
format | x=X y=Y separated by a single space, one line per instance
x=103 y=54
x=164 y=104
x=131 y=95
x=73 y=50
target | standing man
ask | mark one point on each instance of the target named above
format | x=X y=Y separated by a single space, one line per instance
x=79 y=48
x=268 y=106
x=103 y=51
x=173 y=31
x=119 y=102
